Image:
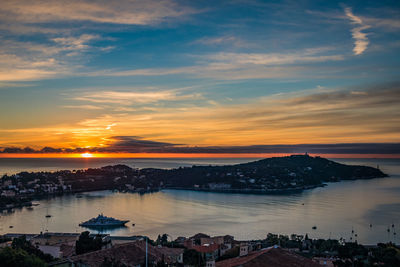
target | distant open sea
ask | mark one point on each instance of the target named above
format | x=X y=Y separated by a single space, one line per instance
x=14 y=165
x=336 y=209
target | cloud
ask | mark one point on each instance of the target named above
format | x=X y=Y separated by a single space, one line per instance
x=14 y=67
x=305 y=56
x=134 y=12
x=387 y=24
x=59 y=32
x=230 y=40
x=360 y=38
x=236 y=66
x=90 y=107
x=75 y=42
x=135 y=144
x=322 y=116
x=25 y=61
x=133 y=96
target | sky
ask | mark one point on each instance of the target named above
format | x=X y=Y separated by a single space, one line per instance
x=200 y=76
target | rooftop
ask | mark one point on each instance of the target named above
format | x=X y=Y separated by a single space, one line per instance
x=130 y=254
x=269 y=257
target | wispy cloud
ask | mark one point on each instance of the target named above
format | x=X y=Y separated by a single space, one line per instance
x=60 y=56
x=236 y=66
x=360 y=38
x=90 y=107
x=135 y=96
x=138 y=12
x=230 y=40
x=273 y=58
x=75 y=42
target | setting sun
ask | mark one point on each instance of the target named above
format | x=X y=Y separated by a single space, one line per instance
x=87 y=155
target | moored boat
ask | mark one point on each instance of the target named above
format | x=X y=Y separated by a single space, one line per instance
x=102 y=221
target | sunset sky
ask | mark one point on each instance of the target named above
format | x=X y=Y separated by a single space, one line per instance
x=200 y=76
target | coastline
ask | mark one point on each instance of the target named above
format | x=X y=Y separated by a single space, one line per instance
x=282 y=191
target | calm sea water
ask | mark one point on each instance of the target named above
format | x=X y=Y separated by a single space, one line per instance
x=336 y=209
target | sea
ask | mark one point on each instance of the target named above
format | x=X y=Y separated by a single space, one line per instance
x=364 y=210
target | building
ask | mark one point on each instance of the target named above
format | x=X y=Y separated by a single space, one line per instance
x=130 y=254
x=208 y=252
x=58 y=245
x=117 y=240
x=268 y=257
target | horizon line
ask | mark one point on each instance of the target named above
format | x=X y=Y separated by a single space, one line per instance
x=190 y=155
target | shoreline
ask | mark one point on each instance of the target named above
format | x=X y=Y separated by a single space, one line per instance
x=246 y=191
x=282 y=191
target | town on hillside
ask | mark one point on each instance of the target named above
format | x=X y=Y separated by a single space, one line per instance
x=100 y=250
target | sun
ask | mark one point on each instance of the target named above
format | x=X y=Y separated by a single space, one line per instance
x=87 y=155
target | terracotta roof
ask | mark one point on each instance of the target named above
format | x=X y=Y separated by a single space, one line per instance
x=270 y=257
x=199 y=235
x=67 y=250
x=206 y=249
x=130 y=254
x=170 y=251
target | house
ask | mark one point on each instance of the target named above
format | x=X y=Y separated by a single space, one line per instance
x=268 y=257
x=212 y=240
x=49 y=238
x=210 y=263
x=171 y=255
x=117 y=240
x=197 y=238
x=189 y=243
x=58 y=245
x=130 y=254
x=61 y=245
x=244 y=249
x=208 y=251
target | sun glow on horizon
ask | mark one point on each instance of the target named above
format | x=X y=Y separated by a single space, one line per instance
x=186 y=155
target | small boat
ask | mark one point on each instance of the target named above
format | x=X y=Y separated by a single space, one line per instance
x=314 y=227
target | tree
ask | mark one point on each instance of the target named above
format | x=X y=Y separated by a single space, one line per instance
x=192 y=257
x=22 y=243
x=85 y=243
x=10 y=257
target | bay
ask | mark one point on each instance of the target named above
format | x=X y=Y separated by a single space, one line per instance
x=336 y=210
